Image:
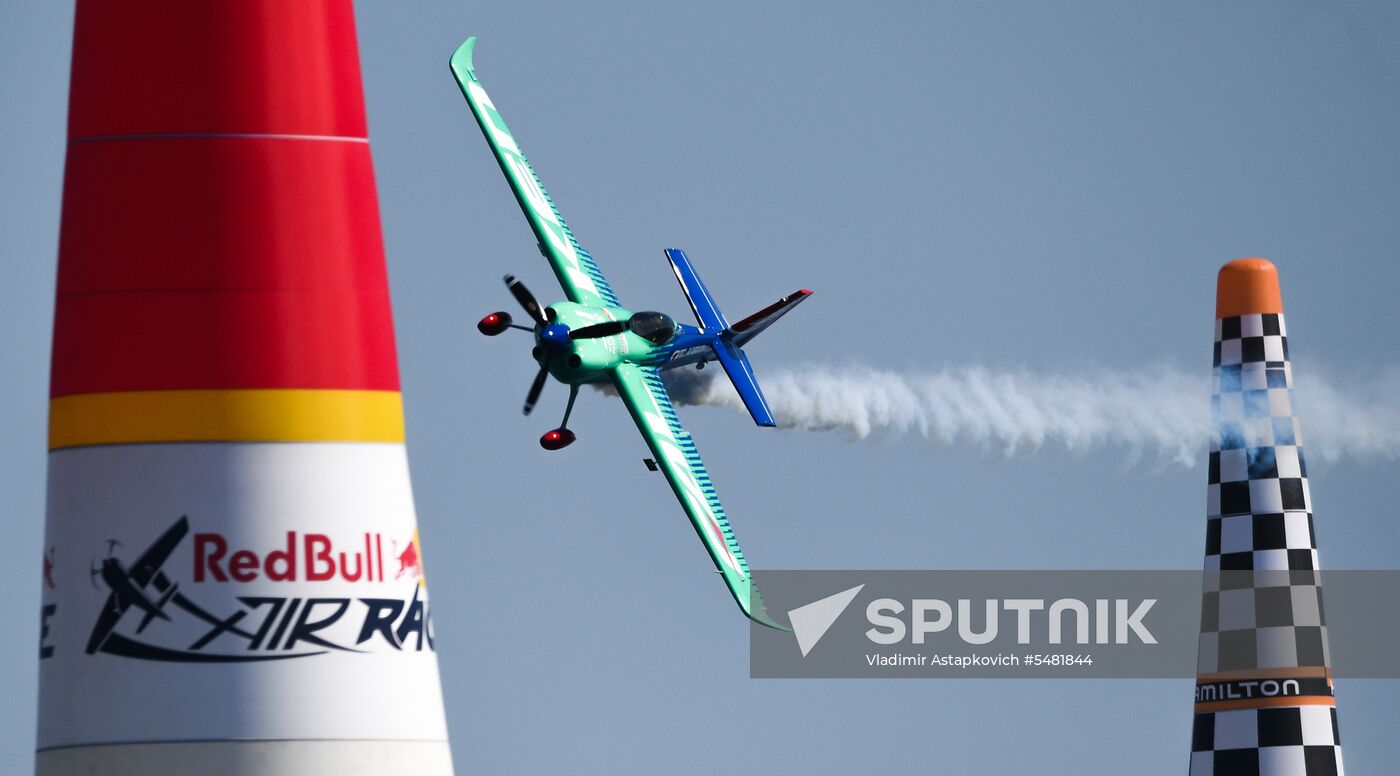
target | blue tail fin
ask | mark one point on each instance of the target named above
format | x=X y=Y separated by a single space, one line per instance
x=706 y=311
x=727 y=341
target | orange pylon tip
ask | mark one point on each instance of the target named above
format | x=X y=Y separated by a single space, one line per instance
x=1247 y=286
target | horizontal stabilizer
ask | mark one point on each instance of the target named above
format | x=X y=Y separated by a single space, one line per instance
x=753 y=325
x=707 y=313
x=736 y=365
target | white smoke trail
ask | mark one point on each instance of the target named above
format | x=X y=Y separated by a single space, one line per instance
x=1159 y=410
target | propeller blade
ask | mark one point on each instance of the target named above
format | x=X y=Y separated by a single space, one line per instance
x=535 y=388
x=526 y=299
x=605 y=329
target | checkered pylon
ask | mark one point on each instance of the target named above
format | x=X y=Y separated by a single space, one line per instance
x=1264 y=703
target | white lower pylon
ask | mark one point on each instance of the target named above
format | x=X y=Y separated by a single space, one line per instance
x=247 y=593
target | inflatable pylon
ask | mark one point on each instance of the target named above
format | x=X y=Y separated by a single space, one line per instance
x=233 y=574
x=1264 y=702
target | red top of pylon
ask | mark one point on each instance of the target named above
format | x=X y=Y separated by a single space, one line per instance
x=165 y=66
x=220 y=221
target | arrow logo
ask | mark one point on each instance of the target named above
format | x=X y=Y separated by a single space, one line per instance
x=812 y=621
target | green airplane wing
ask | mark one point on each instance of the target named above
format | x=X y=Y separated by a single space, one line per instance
x=578 y=274
x=646 y=398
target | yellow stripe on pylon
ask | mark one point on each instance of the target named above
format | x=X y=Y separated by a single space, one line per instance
x=237 y=415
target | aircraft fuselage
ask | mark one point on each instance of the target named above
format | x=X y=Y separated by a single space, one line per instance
x=575 y=362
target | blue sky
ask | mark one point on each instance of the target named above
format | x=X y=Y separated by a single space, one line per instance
x=1012 y=185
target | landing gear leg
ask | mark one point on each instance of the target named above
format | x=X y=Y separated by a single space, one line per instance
x=569 y=410
x=561 y=437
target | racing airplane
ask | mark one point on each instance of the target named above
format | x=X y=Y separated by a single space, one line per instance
x=591 y=338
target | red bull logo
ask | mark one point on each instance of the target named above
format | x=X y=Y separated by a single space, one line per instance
x=150 y=615
x=310 y=557
x=410 y=560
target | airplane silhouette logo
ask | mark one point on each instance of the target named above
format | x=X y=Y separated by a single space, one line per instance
x=129 y=584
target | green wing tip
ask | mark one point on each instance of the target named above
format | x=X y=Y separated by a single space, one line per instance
x=761 y=617
x=757 y=611
x=462 y=57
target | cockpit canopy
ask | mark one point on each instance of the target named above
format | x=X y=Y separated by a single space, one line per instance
x=654 y=327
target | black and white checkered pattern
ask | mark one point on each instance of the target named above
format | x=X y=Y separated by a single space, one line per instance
x=1264 y=609
x=1296 y=741
x=1258 y=510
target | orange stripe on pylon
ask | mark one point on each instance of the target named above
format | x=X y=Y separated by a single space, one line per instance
x=1282 y=672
